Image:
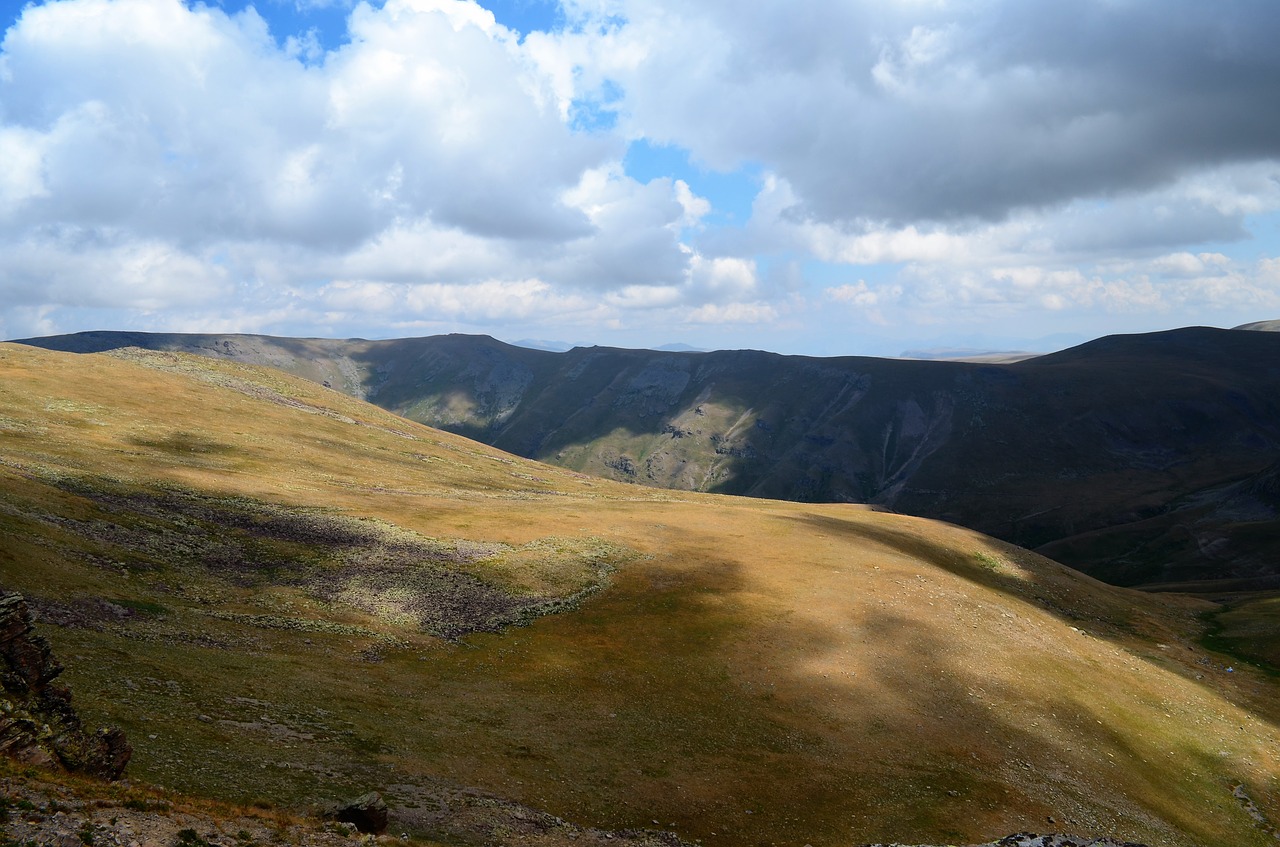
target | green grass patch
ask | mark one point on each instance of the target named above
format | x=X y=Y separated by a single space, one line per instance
x=1247 y=630
x=146 y=607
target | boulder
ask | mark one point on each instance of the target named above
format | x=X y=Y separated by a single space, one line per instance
x=368 y=812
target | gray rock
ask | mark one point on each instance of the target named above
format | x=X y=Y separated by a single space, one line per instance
x=368 y=813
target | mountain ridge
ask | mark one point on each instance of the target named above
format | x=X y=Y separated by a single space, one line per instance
x=1096 y=453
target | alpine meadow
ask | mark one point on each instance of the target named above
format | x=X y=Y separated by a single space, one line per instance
x=285 y=596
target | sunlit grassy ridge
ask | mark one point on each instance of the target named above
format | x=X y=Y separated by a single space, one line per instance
x=265 y=582
x=1143 y=460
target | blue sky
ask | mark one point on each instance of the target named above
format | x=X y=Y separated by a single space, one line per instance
x=329 y=17
x=840 y=178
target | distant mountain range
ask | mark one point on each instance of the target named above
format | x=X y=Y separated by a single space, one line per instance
x=1143 y=459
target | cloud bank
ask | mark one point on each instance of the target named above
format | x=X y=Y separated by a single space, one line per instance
x=993 y=166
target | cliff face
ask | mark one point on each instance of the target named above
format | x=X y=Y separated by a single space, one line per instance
x=37 y=721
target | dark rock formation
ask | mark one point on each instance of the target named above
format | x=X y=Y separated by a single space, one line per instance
x=368 y=812
x=37 y=721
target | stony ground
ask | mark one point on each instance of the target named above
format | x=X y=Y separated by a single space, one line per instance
x=1027 y=839
x=40 y=809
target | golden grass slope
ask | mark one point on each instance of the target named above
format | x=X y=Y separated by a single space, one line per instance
x=750 y=672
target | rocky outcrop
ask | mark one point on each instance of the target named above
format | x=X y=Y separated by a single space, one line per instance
x=367 y=812
x=37 y=721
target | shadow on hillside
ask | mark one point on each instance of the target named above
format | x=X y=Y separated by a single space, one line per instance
x=857 y=720
x=885 y=726
x=1114 y=614
x=678 y=696
x=780 y=426
x=734 y=422
x=969 y=750
x=858 y=429
x=976 y=736
x=468 y=383
x=914 y=545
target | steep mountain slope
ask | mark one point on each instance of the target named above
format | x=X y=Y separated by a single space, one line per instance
x=284 y=594
x=1123 y=457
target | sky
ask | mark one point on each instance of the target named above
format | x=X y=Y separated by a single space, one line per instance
x=833 y=177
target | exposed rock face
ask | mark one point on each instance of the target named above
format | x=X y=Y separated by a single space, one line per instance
x=37 y=721
x=368 y=812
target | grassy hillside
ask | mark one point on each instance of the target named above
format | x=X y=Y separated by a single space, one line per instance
x=1133 y=458
x=285 y=594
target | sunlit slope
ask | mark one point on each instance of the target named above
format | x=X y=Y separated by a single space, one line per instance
x=280 y=592
x=1139 y=459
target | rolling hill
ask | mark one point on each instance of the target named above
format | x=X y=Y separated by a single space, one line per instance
x=285 y=595
x=1143 y=460
x=1261 y=326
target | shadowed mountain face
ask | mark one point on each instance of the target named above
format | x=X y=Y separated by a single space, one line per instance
x=1142 y=459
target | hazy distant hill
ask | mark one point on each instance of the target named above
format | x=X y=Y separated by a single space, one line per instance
x=968 y=354
x=1140 y=459
x=1262 y=326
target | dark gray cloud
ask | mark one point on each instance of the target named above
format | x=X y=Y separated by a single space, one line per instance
x=914 y=111
x=912 y=161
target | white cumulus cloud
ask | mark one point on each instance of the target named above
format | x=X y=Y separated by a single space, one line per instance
x=913 y=163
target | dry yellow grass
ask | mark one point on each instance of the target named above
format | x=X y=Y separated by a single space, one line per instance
x=756 y=672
